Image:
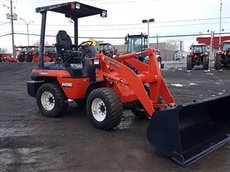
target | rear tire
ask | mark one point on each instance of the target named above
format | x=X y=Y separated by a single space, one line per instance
x=205 y=62
x=29 y=58
x=51 y=100
x=21 y=58
x=217 y=63
x=104 y=108
x=189 y=63
x=140 y=112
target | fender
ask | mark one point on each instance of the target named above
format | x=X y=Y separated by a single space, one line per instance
x=93 y=85
x=32 y=87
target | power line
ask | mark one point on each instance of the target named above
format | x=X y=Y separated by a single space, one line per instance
x=87 y=1
x=137 y=27
x=5 y=34
x=159 y=36
x=134 y=24
x=18 y=33
x=2 y=23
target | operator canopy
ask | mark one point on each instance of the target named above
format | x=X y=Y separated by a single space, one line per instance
x=73 y=10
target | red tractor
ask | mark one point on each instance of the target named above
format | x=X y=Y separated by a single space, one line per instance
x=30 y=53
x=185 y=133
x=27 y=53
x=4 y=56
x=198 y=56
x=222 y=58
x=50 y=52
x=107 y=49
x=20 y=53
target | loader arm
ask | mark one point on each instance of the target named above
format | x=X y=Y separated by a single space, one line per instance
x=118 y=72
x=153 y=70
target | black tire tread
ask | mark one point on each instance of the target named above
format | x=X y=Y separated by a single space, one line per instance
x=21 y=58
x=60 y=99
x=189 y=63
x=115 y=112
x=206 y=62
x=217 y=63
x=29 y=58
x=139 y=114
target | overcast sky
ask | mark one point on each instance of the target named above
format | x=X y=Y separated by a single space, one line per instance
x=172 y=17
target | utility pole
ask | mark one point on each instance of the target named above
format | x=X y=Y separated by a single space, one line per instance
x=12 y=26
x=220 y=24
x=211 y=41
x=11 y=16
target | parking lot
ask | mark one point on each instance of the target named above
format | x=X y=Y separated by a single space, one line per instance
x=32 y=142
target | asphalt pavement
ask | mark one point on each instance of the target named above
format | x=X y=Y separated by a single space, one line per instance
x=32 y=142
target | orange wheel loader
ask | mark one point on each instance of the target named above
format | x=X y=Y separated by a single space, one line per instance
x=185 y=132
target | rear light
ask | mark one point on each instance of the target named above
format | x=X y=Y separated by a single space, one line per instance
x=104 y=14
x=73 y=6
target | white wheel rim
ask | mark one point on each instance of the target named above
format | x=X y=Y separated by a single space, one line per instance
x=47 y=100
x=98 y=109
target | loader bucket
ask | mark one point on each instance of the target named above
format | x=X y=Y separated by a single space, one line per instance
x=189 y=131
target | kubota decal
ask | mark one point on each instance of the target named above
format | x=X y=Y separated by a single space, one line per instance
x=66 y=84
x=44 y=72
x=113 y=63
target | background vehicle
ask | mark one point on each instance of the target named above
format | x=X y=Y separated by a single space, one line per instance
x=222 y=58
x=5 y=56
x=50 y=51
x=107 y=49
x=198 y=56
x=27 y=53
x=185 y=133
x=20 y=53
x=138 y=43
x=30 y=53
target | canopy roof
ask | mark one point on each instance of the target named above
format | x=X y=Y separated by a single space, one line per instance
x=73 y=10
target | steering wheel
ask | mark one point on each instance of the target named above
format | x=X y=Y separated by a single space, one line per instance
x=86 y=44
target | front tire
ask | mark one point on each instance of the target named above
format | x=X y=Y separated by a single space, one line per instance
x=205 y=62
x=51 y=100
x=29 y=58
x=189 y=63
x=104 y=108
x=217 y=63
x=21 y=58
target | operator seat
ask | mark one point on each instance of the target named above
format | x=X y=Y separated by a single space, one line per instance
x=66 y=50
x=72 y=59
x=63 y=43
